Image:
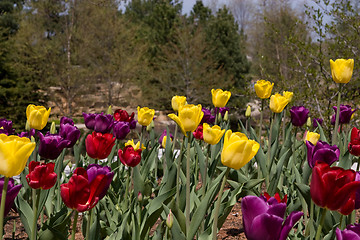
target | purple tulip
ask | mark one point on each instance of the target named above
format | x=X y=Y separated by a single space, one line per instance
x=352 y=232
x=121 y=129
x=344 y=115
x=6 y=127
x=99 y=122
x=164 y=134
x=69 y=132
x=207 y=118
x=12 y=192
x=51 y=145
x=223 y=110
x=132 y=124
x=265 y=219
x=94 y=170
x=299 y=115
x=27 y=134
x=322 y=151
x=319 y=120
x=66 y=120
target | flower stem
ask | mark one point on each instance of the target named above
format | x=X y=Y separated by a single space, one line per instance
x=88 y=224
x=73 y=231
x=261 y=120
x=2 y=206
x=334 y=136
x=318 y=233
x=267 y=178
x=178 y=173
x=35 y=210
x=217 y=206
x=175 y=135
x=187 y=207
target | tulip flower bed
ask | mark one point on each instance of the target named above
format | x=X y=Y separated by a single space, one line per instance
x=289 y=188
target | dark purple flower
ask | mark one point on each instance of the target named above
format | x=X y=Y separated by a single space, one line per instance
x=12 y=192
x=299 y=115
x=207 y=118
x=51 y=145
x=264 y=219
x=121 y=129
x=6 y=127
x=223 y=110
x=164 y=134
x=352 y=232
x=93 y=170
x=66 y=120
x=132 y=124
x=69 y=132
x=344 y=115
x=322 y=151
x=99 y=122
x=27 y=134
x=319 y=120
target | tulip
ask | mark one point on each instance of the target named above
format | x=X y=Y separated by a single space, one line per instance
x=248 y=111
x=312 y=137
x=98 y=145
x=123 y=116
x=237 y=150
x=14 y=152
x=333 y=188
x=208 y=117
x=357 y=194
x=94 y=170
x=223 y=110
x=352 y=232
x=265 y=219
x=178 y=102
x=354 y=144
x=170 y=220
x=121 y=130
x=129 y=157
x=163 y=137
x=278 y=103
x=41 y=175
x=99 y=122
x=189 y=117
x=220 y=97
x=299 y=115
x=12 y=192
x=316 y=121
x=37 y=116
x=263 y=88
x=288 y=95
x=68 y=131
x=145 y=115
x=51 y=145
x=135 y=146
x=85 y=189
x=29 y=134
x=277 y=197
x=342 y=70
x=198 y=133
x=212 y=135
x=308 y=122
x=6 y=127
x=323 y=152
x=344 y=115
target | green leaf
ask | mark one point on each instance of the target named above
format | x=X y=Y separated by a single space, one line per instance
x=275 y=180
x=176 y=231
x=26 y=213
x=304 y=190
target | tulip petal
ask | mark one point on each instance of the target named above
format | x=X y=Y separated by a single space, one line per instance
x=178 y=122
x=265 y=226
x=289 y=224
x=252 y=206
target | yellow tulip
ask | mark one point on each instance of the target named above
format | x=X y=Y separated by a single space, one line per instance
x=14 y=153
x=220 y=97
x=238 y=150
x=212 y=135
x=177 y=102
x=163 y=142
x=145 y=115
x=189 y=117
x=278 y=103
x=312 y=137
x=342 y=70
x=135 y=146
x=288 y=95
x=263 y=88
x=37 y=116
x=248 y=111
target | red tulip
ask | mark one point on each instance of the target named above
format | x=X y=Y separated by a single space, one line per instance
x=333 y=188
x=80 y=194
x=130 y=157
x=41 y=175
x=277 y=197
x=98 y=145
x=198 y=133
x=354 y=144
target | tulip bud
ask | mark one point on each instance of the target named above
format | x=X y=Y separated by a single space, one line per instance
x=226 y=116
x=308 y=122
x=109 y=110
x=150 y=126
x=27 y=126
x=170 y=220
x=248 y=111
x=140 y=197
x=53 y=128
x=219 y=117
